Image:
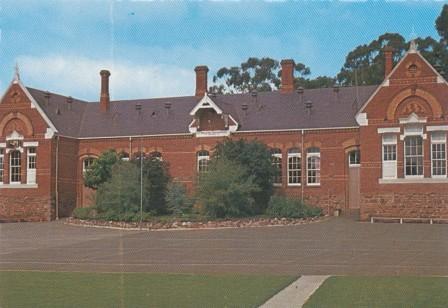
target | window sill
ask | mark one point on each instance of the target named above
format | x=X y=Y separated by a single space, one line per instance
x=313 y=185
x=15 y=186
x=294 y=185
x=413 y=181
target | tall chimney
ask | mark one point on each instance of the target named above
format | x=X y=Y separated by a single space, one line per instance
x=104 y=98
x=201 y=80
x=287 y=76
x=388 y=60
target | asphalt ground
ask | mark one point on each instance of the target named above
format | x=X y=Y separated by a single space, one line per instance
x=336 y=246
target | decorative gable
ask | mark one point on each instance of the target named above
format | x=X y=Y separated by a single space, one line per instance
x=209 y=120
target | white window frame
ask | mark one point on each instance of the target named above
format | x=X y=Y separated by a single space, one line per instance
x=309 y=156
x=2 y=165
x=11 y=166
x=357 y=155
x=410 y=176
x=31 y=164
x=84 y=161
x=388 y=141
x=202 y=156
x=277 y=162
x=294 y=154
x=438 y=138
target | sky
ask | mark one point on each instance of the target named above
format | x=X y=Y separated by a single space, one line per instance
x=151 y=47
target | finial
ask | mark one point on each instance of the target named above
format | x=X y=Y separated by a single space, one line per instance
x=16 y=73
x=413 y=46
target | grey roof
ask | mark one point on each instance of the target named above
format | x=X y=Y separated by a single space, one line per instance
x=265 y=111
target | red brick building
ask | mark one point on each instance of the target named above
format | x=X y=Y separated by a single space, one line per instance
x=377 y=150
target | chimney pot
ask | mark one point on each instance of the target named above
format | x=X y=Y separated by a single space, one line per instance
x=287 y=76
x=201 y=80
x=104 y=96
x=388 y=60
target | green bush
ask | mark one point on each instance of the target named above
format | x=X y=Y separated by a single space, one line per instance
x=127 y=217
x=280 y=206
x=256 y=158
x=84 y=212
x=155 y=183
x=177 y=201
x=101 y=169
x=226 y=191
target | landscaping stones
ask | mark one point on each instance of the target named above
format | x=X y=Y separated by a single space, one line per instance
x=178 y=224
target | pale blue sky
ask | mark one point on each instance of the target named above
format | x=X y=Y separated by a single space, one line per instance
x=151 y=48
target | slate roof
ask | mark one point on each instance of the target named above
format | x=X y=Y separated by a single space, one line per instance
x=265 y=111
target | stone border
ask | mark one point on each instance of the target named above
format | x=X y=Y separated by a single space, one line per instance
x=194 y=225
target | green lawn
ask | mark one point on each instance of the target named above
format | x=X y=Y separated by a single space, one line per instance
x=381 y=292
x=62 y=289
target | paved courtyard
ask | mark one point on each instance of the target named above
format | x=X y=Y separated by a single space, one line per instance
x=336 y=246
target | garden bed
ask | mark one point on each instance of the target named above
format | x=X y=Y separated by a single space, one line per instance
x=182 y=224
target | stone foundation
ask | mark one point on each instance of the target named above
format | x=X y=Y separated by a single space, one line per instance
x=405 y=205
x=22 y=208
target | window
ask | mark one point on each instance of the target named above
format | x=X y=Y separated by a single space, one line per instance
x=31 y=162
x=438 y=154
x=2 y=165
x=276 y=157
x=294 y=167
x=313 y=166
x=413 y=156
x=389 y=156
x=156 y=155
x=15 y=168
x=87 y=164
x=354 y=158
x=124 y=156
x=203 y=158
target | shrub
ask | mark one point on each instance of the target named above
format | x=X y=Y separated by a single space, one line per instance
x=155 y=183
x=256 y=158
x=84 y=212
x=280 y=206
x=101 y=170
x=226 y=191
x=177 y=201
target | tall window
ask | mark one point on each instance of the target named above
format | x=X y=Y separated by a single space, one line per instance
x=294 y=167
x=313 y=166
x=31 y=162
x=203 y=158
x=15 y=168
x=389 y=156
x=2 y=165
x=87 y=164
x=438 y=154
x=413 y=156
x=276 y=156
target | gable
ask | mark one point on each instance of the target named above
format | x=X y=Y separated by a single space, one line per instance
x=413 y=86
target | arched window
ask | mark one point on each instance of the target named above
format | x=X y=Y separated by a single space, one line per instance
x=203 y=158
x=313 y=166
x=276 y=157
x=139 y=155
x=294 y=167
x=155 y=155
x=15 y=168
x=87 y=163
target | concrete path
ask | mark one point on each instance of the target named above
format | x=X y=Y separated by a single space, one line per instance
x=297 y=293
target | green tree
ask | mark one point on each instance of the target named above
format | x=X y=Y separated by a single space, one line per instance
x=442 y=24
x=120 y=194
x=226 y=190
x=177 y=200
x=256 y=159
x=101 y=169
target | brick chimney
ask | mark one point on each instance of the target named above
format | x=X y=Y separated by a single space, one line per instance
x=287 y=76
x=388 y=60
x=201 y=80
x=104 y=97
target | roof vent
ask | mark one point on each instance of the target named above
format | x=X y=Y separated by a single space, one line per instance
x=69 y=102
x=58 y=111
x=138 y=107
x=300 y=90
x=336 y=88
x=47 y=96
x=245 y=106
x=167 y=105
x=308 y=106
x=254 y=93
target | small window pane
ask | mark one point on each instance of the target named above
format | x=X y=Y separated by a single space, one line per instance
x=15 y=167
x=354 y=157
